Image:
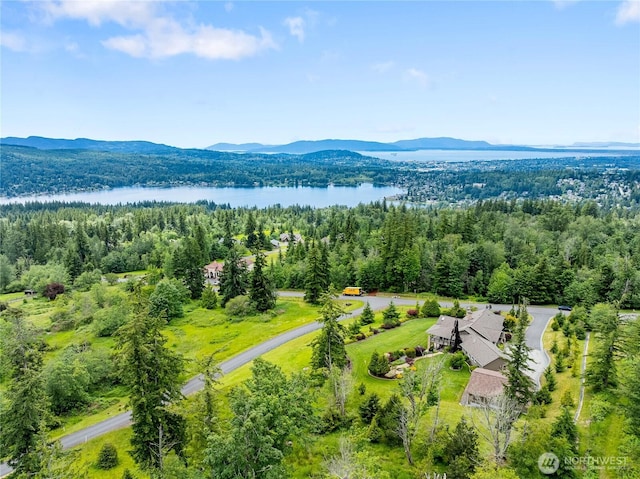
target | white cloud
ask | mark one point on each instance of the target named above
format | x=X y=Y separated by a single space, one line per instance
x=296 y=27
x=97 y=12
x=413 y=74
x=382 y=67
x=628 y=11
x=228 y=6
x=166 y=38
x=13 y=41
x=157 y=35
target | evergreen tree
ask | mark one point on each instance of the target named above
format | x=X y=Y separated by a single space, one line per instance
x=564 y=426
x=261 y=291
x=430 y=308
x=317 y=275
x=369 y=408
x=188 y=267
x=461 y=451
x=457 y=340
x=328 y=347
x=24 y=409
x=378 y=364
x=390 y=317
x=550 y=379
x=251 y=242
x=152 y=374
x=367 y=316
x=233 y=277
x=269 y=411
x=209 y=298
x=519 y=387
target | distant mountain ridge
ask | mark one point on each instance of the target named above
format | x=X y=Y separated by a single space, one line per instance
x=43 y=143
x=301 y=147
x=310 y=146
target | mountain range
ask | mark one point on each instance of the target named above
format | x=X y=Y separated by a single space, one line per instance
x=297 y=147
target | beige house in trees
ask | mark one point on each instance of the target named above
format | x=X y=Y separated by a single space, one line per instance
x=480 y=331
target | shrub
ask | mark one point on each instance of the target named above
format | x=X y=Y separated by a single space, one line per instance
x=543 y=396
x=87 y=279
x=554 y=325
x=410 y=352
x=362 y=388
x=430 y=308
x=127 y=474
x=52 y=290
x=360 y=336
x=412 y=313
x=419 y=351
x=209 y=299
x=560 y=364
x=390 y=317
x=457 y=360
x=378 y=365
x=240 y=306
x=108 y=457
x=567 y=400
x=369 y=408
x=111 y=278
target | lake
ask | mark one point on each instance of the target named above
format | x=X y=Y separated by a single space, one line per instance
x=236 y=197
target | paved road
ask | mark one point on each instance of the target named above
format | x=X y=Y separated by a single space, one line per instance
x=541 y=316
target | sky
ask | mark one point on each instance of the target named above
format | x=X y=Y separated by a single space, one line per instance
x=191 y=74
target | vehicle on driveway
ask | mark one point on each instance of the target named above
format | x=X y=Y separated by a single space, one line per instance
x=564 y=308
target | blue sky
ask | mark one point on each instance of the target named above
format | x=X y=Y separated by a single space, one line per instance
x=192 y=74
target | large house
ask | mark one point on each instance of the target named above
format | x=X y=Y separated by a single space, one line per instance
x=213 y=270
x=480 y=332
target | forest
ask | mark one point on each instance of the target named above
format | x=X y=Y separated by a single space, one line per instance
x=120 y=288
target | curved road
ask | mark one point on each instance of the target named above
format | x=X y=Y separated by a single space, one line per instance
x=541 y=316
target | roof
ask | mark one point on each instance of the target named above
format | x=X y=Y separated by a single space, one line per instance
x=480 y=350
x=484 y=322
x=485 y=383
x=214 y=266
x=487 y=323
x=445 y=324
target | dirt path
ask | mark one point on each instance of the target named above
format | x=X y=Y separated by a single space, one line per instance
x=582 y=376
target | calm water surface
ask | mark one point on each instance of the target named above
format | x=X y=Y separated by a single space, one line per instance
x=236 y=197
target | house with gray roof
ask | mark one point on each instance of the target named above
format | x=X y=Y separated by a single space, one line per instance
x=483 y=385
x=480 y=332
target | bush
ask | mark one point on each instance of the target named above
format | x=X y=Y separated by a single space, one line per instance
x=419 y=351
x=390 y=317
x=410 y=352
x=52 y=290
x=362 y=388
x=209 y=299
x=367 y=316
x=87 y=279
x=378 y=365
x=457 y=360
x=412 y=313
x=369 y=408
x=431 y=308
x=108 y=457
x=127 y=474
x=543 y=396
x=360 y=336
x=111 y=278
x=240 y=306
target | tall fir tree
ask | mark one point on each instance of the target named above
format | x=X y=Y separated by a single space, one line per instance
x=25 y=408
x=328 y=347
x=317 y=275
x=261 y=291
x=233 y=277
x=519 y=386
x=152 y=374
x=187 y=263
x=251 y=241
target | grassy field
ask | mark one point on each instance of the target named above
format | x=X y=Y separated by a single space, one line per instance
x=199 y=333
